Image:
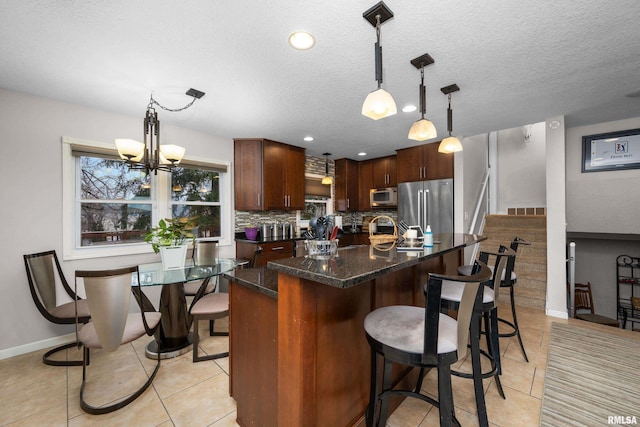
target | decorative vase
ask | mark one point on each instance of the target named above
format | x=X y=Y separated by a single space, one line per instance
x=173 y=257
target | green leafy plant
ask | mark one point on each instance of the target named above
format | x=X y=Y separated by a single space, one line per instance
x=171 y=232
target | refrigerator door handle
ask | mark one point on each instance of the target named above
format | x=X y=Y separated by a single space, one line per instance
x=425 y=209
x=420 y=207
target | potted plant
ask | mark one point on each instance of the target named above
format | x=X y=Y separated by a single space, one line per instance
x=171 y=238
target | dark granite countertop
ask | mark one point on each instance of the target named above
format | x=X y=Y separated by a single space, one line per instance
x=355 y=265
x=260 y=279
x=241 y=237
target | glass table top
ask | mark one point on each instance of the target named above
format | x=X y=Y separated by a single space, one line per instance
x=153 y=274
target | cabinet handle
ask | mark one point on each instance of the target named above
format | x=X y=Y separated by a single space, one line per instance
x=277 y=248
x=348 y=204
x=259 y=204
x=289 y=200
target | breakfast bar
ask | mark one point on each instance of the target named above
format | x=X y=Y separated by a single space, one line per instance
x=298 y=352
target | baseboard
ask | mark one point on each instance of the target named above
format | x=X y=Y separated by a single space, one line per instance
x=35 y=346
x=556 y=313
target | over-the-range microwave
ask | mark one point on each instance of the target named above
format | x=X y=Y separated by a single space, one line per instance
x=383 y=196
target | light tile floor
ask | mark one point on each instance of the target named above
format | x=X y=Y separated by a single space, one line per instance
x=188 y=394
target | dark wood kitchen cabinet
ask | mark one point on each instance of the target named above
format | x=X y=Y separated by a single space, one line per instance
x=346 y=185
x=384 y=172
x=268 y=175
x=365 y=183
x=423 y=162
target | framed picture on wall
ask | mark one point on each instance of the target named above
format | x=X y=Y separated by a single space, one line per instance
x=611 y=151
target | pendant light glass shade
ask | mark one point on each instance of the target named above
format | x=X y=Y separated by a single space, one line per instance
x=379 y=104
x=450 y=144
x=422 y=130
x=327 y=180
x=130 y=149
x=172 y=153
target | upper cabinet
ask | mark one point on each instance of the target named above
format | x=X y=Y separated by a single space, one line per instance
x=365 y=183
x=423 y=162
x=347 y=186
x=384 y=172
x=268 y=175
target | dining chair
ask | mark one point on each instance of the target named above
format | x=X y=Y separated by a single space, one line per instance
x=112 y=325
x=205 y=252
x=421 y=337
x=45 y=278
x=583 y=298
x=208 y=306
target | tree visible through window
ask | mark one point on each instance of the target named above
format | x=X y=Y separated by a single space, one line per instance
x=196 y=193
x=115 y=202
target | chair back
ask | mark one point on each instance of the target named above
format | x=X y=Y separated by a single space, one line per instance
x=583 y=298
x=108 y=295
x=504 y=258
x=254 y=259
x=44 y=275
x=205 y=252
x=471 y=296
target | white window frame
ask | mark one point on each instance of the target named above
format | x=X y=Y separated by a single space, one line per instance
x=161 y=208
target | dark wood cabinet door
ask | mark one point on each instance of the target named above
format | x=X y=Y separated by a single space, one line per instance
x=410 y=164
x=294 y=190
x=365 y=183
x=346 y=185
x=273 y=175
x=248 y=174
x=384 y=172
x=438 y=165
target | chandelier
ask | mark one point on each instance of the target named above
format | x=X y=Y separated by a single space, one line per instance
x=150 y=155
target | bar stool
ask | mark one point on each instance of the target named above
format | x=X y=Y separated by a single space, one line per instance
x=421 y=337
x=508 y=283
x=486 y=310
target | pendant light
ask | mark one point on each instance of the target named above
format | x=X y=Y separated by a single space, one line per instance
x=422 y=129
x=150 y=155
x=327 y=180
x=379 y=103
x=450 y=144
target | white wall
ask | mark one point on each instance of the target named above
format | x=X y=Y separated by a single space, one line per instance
x=521 y=180
x=602 y=216
x=31 y=196
x=601 y=202
x=556 y=218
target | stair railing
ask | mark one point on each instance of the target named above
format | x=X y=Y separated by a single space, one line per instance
x=476 y=213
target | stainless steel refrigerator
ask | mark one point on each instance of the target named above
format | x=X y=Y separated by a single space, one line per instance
x=427 y=203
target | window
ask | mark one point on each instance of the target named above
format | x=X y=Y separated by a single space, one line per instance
x=196 y=193
x=108 y=208
x=114 y=203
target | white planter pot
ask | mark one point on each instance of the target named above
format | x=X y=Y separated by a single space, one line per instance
x=173 y=257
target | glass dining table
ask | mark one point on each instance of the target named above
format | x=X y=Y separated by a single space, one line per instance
x=172 y=337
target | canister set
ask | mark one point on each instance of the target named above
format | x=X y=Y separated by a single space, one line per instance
x=279 y=230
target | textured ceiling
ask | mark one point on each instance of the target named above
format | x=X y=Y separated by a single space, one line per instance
x=516 y=62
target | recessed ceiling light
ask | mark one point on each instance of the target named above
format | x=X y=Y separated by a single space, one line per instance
x=302 y=40
x=362 y=153
x=308 y=138
x=409 y=108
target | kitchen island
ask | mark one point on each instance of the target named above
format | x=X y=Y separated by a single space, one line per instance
x=298 y=352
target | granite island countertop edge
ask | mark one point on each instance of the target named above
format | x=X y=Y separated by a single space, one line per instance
x=284 y=266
